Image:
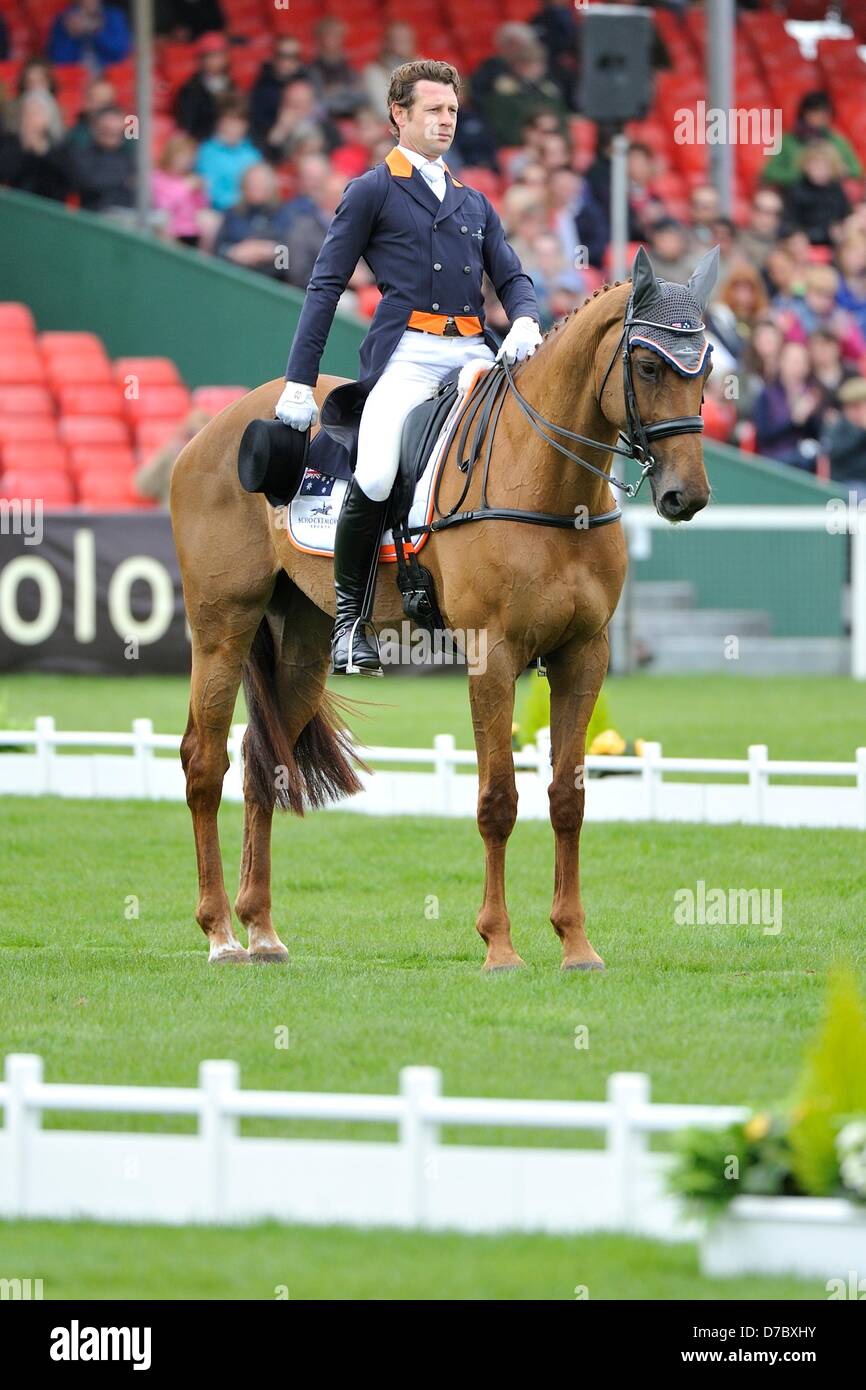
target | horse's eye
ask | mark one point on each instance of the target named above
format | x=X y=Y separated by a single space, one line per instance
x=647 y=368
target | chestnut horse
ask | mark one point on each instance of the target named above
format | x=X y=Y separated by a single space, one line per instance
x=261 y=611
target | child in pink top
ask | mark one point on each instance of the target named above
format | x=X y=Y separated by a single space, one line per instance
x=177 y=191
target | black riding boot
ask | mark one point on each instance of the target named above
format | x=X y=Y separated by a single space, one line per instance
x=359 y=528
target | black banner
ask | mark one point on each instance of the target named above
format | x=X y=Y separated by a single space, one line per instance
x=92 y=593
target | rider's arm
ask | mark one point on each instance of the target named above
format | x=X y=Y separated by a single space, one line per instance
x=344 y=245
x=515 y=289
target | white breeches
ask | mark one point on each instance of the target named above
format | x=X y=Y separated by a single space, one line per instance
x=419 y=363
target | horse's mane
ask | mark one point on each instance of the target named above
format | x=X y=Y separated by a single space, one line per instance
x=566 y=318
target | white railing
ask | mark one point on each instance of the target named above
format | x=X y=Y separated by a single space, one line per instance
x=445 y=789
x=216 y=1175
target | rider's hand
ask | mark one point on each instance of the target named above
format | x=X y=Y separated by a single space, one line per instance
x=521 y=341
x=297 y=406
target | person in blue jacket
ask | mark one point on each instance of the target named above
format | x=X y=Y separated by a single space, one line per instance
x=90 y=32
x=428 y=239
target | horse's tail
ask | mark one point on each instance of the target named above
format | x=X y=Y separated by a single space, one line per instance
x=318 y=768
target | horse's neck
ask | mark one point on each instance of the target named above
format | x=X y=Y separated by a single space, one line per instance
x=560 y=381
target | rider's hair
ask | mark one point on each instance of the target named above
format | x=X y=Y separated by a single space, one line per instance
x=401 y=88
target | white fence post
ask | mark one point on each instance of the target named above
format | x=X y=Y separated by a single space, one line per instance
x=216 y=1129
x=626 y=1144
x=143 y=730
x=45 y=730
x=23 y=1123
x=419 y=1138
x=652 y=776
x=860 y=757
x=758 y=758
x=444 y=746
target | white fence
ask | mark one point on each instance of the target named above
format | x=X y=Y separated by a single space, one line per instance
x=133 y=769
x=219 y=1176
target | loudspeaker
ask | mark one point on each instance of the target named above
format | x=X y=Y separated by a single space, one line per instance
x=616 y=63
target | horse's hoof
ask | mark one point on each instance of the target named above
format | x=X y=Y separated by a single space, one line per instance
x=234 y=957
x=583 y=965
x=280 y=957
x=516 y=964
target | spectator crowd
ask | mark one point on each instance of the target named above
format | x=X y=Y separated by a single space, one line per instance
x=255 y=176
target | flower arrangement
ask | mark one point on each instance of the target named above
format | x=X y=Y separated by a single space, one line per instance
x=813 y=1145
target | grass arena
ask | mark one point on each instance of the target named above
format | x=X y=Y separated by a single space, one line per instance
x=518 y=358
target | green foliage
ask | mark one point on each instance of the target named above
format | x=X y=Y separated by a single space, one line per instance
x=715 y=1166
x=708 y=1163
x=832 y=1087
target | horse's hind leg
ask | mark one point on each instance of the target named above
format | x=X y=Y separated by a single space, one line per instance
x=217 y=661
x=288 y=732
x=576 y=673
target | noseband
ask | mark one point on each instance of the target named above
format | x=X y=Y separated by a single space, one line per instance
x=638 y=437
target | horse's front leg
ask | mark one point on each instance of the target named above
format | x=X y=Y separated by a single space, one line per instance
x=576 y=673
x=492 y=698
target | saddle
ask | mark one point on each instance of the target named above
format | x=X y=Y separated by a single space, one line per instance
x=421 y=429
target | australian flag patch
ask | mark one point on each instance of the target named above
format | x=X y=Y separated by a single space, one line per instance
x=316 y=484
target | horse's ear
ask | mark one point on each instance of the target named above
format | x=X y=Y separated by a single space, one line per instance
x=704 y=277
x=643 y=279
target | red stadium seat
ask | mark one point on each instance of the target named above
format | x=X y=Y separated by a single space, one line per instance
x=158 y=402
x=59 y=343
x=101 y=458
x=93 y=429
x=16 y=318
x=27 y=429
x=160 y=371
x=88 y=370
x=21 y=368
x=78 y=398
x=108 y=491
x=213 y=399
x=152 y=434
x=34 y=458
x=484 y=180
x=26 y=400
x=52 y=489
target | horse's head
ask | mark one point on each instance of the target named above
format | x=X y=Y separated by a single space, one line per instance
x=656 y=363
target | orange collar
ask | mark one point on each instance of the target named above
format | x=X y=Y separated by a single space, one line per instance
x=402 y=168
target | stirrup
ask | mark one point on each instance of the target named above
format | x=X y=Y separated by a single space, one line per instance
x=351 y=669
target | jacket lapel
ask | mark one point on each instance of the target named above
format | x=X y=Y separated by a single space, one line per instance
x=418 y=188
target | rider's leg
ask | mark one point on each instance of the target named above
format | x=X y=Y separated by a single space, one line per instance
x=401 y=386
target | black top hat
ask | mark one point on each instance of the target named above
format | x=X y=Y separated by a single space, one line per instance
x=272 y=458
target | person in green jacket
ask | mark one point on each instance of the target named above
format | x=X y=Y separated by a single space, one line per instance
x=814 y=122
x=601 y=736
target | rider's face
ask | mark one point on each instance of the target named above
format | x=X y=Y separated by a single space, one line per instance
x=428 y=126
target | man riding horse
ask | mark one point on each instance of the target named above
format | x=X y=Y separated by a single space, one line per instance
x=428 y=240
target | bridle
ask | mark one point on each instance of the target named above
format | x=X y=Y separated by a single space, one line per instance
x=639 y=438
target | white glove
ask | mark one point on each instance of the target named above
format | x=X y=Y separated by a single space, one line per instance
x=521 y=341
x=297 y=406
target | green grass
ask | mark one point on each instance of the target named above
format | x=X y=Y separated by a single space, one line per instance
x=714 y=716
x=84 y=1261
x=713 y=1014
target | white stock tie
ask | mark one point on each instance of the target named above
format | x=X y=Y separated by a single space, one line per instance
x=435 y=176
